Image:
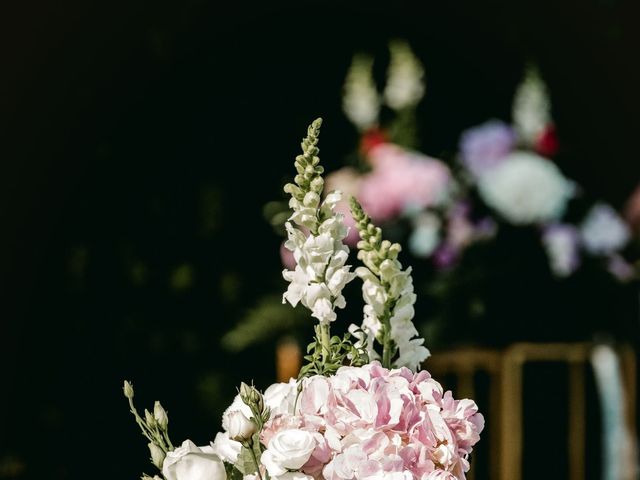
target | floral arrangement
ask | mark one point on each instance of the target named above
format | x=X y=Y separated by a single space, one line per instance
x=504 y=172
x=472 y=218
x=361 y=407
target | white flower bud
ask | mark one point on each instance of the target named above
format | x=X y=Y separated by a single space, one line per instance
x=128 y=389
x=240 y=427
x=157 y=455
x=160 y=415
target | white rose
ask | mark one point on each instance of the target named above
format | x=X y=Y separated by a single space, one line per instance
x=237 y=405
x=189 y=462
x=280 y=397
x=240 y=427
x=227 y=449
x=287 y=450
x=293 y=476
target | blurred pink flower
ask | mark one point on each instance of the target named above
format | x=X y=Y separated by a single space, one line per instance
x=402 y=180
x=632 y=209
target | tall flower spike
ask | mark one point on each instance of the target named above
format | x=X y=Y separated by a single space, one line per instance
x=531 y=106
x=405 y=78
x=388 y=294
x=361 y=101
x=320 y=273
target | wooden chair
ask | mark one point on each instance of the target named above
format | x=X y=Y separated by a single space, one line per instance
x=505 y=369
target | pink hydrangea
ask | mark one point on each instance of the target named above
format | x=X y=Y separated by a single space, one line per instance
x=402 y=180
x=374 y=423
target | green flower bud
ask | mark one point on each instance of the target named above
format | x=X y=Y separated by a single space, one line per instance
x=245 y=393
x=157 y=455
x=128 y=389
x=160 y=415
x=151 y=422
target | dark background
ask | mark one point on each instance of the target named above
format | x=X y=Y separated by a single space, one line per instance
x=140 y=140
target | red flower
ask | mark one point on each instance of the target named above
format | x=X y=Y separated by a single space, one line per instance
x=547 y=143
x=372 y=138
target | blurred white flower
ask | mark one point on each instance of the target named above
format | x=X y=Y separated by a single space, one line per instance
x=561 y=244
x=425 y=236
x=603 y=231
x=360 y=100
x=526 y=189
x=531 y=107
x=405 y=78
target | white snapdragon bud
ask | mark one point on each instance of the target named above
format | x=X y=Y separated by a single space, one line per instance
x=157 y=455
x=241 y=428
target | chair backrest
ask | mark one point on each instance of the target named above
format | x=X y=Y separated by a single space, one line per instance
x=505 y=396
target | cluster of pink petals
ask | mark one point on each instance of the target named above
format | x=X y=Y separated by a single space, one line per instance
x=401 y=180
x=375 y=423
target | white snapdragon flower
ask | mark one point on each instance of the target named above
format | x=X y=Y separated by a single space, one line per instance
x=526 y=189
x=531 y=107
x=360 y=101
x=603 y=231
x=389 y=297
x=320 y=273
x=405 y=78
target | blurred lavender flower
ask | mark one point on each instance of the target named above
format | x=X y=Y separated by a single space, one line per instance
x=484 y=146
x=603 y=231
x=485 y=228
x=561 y=243
x=620 y=268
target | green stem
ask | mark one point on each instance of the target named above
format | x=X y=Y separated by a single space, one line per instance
x=255 y=459
x=325 y=342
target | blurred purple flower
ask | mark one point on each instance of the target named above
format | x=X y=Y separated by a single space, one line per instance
x=446 y=256
x=483 y=147
x=561 y=243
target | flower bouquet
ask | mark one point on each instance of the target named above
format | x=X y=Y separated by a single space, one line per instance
x=491 y=227
x=361 y=408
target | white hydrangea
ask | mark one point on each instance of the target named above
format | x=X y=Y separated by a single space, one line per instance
x=405 y=78
x=603 y=231
x=361 y=101
x=526 y=189
x=531 y=107
x=320 y=273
